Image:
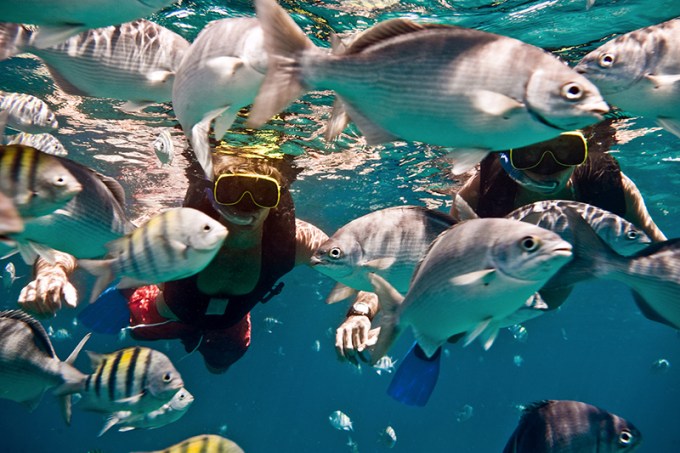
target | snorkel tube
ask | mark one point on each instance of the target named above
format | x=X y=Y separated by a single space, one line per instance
x=520 y=177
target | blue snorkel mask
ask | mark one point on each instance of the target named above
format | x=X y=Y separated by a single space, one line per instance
x=521 y=178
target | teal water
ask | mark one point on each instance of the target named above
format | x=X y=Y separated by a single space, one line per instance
x=597 y=348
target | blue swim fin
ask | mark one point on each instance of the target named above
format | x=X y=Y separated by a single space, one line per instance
x=108 y=314
x=414 y=380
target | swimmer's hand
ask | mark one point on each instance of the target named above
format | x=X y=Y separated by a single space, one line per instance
x=50 y=289
x=353 y=337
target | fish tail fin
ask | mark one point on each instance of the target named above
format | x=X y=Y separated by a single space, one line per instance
x=284 y=42
x=13 y=39
x=103 y=270
x=416 y=377
x=111 y=421
x=200 y=144
x=108 y=314
x=664 y=309
x=389 y=300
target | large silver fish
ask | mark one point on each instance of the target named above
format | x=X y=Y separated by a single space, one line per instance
x=47 y=143
x=83 y=226
x=61 y=19
x=640 y=72
x=136 y=379
x=36 y=182
x=168 y=413
x=621 y=235
x=653 y=273
x=474 y=276
x=174 y=244
x=28 y=363
x=437 y=84
x=388 y=242
x=571 y=426
x=219 y=74
x=27 y=113
x=135 y=61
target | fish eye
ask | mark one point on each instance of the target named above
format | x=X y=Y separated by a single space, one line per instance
x=207 y=228
x=572 y=91
x=632 y=235
x=60 y=181
x=530 y=244
x=167 y=377
x=626 y=437
x=335 y=253
x=606 y=60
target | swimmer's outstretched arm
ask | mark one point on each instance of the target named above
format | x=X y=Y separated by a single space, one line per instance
x=50 y=288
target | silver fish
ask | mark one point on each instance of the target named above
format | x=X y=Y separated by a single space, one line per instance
x=473 y=277
x=653 y=273
x=621 y=235
x=61 y=19
x=389 y=242
x=640 y=72
x=36 y=182
x=388 y=437
x=385 y=365
x=174 y=244
x=340 y=421
x=9 y=275
x=27 y=113
x=135 y=379
x=164 y=148
x=28 y=363
x=170 y=412
x=205 y=443
x=83 y=226
x=559 y=426
x=135 y=61
x=451 y=86
x=47 y=143
x=219 y=74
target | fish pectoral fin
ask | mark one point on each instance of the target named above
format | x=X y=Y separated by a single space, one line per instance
x=52 y=35
x=672 y=125
x=381 y=263
x=111 y=421
x=133 y=107
x=134 y=399
x=464 y=159
x=482 y=277
x=338 y=120
x=159 y=76
x=340 y=292
x=663 y=81
x=225 y=66
x=374 y=134
x=495 y=104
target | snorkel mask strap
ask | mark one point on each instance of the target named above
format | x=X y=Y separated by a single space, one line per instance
x=522 y=179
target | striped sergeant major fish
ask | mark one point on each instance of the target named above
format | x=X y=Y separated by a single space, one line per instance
x=27 y=113
x=205 y=443
x=47 y=143
x=174 y=244
x=36 y=182
x=136 y=379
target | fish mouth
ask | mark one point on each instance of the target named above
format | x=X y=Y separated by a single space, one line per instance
x=313 y=261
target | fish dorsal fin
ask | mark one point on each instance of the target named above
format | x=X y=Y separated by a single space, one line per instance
x=383 y=31
x=340 y=292
x=114 y=187
x=472 y=335
x=43 y=342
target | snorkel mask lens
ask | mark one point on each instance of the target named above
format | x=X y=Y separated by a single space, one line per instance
x=569 y=150
x=229 y=189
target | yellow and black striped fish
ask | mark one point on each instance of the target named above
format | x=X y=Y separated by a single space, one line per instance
x=36 y=182
x=205 y=443
x=137 y=379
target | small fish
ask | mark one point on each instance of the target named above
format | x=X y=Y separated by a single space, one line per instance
x=340 y=421
x=388 y=242
x=168 y=413
x=638 y=72
x=353 y=445
x=465 y=413
x=136 y=379
x=174 y=244
x=452 y=86
x=28 y=363
x=164 y=148
x=269 y=323
x=661 y=366
x=316 y=346
x=9 y=275
x=221 y=73
x=27 y=113
x=60 y=19
x=37 y=183
x=59 y=334
x=518 y=360
x=134 y=61
x=560 y=426
x=624 y=237
x=388 y=437
x=519 y=333
x=385 y=365
x=205 y=443
x=47 y=143
x=473 y=277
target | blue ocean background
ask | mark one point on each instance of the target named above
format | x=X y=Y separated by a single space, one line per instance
x=596 y=348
